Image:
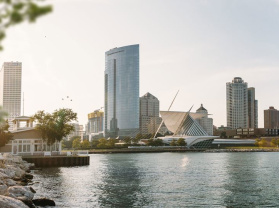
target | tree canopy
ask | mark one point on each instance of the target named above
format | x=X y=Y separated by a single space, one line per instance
x=54 y=127
x=5 y=134
x=13 y=12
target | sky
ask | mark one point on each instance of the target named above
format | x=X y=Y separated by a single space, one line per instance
x=194 y=46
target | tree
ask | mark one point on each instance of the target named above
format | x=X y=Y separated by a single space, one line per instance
x=85 y=144
x=76 y=143
x=155 y=142
x=257 y=142
x=54 y=127
x=173 y=143
x=69 y=143
x=181 y=142
x=5 y=134
x=102 y=143
x=13 y=12
x=94 y=143
x=111 y=143
x=274 y=142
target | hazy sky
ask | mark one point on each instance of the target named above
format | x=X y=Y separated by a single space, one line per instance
x=195 y=46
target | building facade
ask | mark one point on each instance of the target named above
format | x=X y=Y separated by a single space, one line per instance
x=10 y=89
x=205 y=122
x=252 y=108
x=121 y=109
x=95 y=124
x=237 y=104
x=271 y=118
x=149 y=114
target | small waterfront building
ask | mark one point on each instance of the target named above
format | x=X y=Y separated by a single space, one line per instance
x=27 y=140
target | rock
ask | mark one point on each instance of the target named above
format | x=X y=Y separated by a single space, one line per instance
x=3 y=189
x=31 y=189
x=28 y=176
x=43 y=202
x=29 y=203
x=20 y=192
x=3 y=176
x=10 y=182
x=8 y=202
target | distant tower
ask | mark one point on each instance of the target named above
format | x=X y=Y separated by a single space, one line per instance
x=10 y=89
x=242 y=107
x=149 y=114
x=237 y=104
x=121 y=109
x=252 y=108
x=205 y=122
x=271 y=118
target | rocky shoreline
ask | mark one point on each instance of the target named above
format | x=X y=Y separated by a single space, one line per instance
x=14 y=178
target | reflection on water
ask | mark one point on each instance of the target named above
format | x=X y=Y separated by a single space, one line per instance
x=165 y=180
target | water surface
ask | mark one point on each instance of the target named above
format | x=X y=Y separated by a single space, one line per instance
x=165 y=180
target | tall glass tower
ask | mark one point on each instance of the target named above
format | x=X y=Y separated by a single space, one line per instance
x=121 y=110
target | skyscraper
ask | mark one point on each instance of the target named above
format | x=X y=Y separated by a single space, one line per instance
x=121 y=109
x=10 y=89
x=237 y=104
x=242 y=107
x=205 y=122
x=271 y=118
x=149 y=114
x=252 y=109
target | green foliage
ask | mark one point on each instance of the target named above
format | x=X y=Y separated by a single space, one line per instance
x=76 y=143
x=85 y=144
x=127 y=140
x=54 y=127
x=102 y=143
x=181 y=142
x=274 y=142
x=13 y=12
x=5 y=135
x=257 y=142
x=155 y=142
x=69 y=143
x=173 y=143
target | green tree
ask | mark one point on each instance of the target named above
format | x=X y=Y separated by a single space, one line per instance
x=69 y=143
x=85 y=144
x=13 y=12
x=102 y=143
x=77 y=143
x=274 y=142
x=173 y=143
x=111 y=143
x=5 y=134
x=54 y=127
x=263 y=143
x=94 y=143
x=257 y=142
x=181 y=142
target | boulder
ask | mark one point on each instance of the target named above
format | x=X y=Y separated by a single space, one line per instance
x=10 y=182
x=3 y=189
x=43 y=202
x=8 y=202
x=28 y=176
x=20 y=192
x=3 y=176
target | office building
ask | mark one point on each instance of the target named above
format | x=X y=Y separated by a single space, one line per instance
x=121 y=109
x=271 y=118
x=10 y=89
x=149 y=114
x=252 y=109
x=95 y=124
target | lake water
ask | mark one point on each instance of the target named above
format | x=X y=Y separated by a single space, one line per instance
x=165 y=180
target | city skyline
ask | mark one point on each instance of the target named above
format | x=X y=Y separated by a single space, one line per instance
x=190 y=49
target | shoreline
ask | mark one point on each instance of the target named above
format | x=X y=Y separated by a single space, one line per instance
x=153 y=150
x=15 y=179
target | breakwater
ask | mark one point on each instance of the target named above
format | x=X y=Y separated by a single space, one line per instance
x=57 y=161
x=14 y=179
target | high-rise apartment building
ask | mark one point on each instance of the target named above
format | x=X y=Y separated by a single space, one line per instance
x=10 y=89
x=242 y=108
x=271 y=118
x=252 y=109
x=95 y=122
x=121 y=109
x=149 y=114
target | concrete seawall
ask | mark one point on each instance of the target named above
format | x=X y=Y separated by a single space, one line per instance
x=58 y=161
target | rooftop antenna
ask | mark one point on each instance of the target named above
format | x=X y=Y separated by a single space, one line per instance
x=162 y=119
